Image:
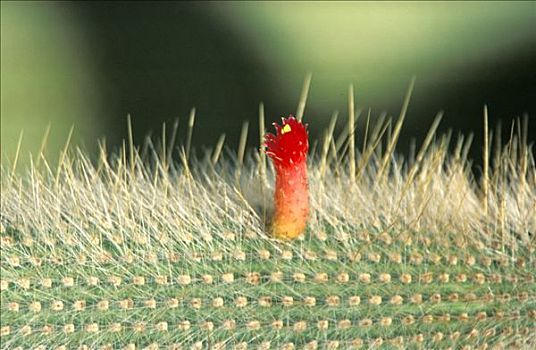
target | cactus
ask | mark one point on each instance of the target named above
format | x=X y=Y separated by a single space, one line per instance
x=136 y=251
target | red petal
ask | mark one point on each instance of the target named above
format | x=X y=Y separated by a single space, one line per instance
x=289 y=145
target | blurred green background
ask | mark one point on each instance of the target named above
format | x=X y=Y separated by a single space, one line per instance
x=88 y=64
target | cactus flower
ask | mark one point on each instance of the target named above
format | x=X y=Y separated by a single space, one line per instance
x=288 y=151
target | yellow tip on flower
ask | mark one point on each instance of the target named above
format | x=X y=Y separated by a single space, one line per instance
x=286 y=129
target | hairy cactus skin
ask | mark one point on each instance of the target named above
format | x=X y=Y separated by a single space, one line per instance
x=328 y=291
x=144 y=254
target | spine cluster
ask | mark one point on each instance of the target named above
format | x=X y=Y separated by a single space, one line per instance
x=304 y=297
x=136 y=253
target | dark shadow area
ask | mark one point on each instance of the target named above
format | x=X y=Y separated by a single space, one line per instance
x=507 y=87
x=159 y=61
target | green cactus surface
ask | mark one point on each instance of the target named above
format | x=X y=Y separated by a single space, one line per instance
x=137 y=251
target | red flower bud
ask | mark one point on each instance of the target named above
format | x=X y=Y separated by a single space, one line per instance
x=288 y=151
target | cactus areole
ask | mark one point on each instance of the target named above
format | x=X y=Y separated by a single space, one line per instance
x=288 y=151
